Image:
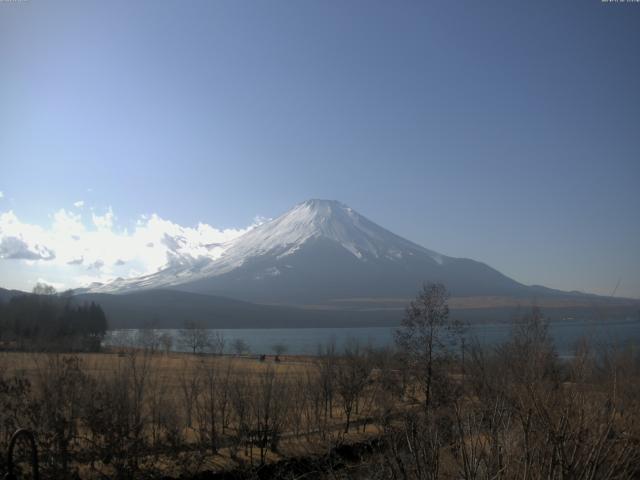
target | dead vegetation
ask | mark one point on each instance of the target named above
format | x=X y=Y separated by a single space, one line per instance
x=423 y=411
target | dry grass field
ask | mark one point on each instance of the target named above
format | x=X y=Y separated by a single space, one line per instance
x=181 y=392
x=172 y=366
x=511 y=412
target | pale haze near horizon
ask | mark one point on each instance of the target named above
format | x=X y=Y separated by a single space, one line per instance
x=480 y=130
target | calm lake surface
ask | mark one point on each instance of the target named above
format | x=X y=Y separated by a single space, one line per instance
x=305 y=341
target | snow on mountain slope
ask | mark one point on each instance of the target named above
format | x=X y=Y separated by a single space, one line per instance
x=280 y=237
x=326 y=219
x=320 y=249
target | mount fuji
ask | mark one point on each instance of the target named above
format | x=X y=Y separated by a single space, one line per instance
x=322 y=252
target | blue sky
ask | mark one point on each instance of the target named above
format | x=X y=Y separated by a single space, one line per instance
x=507 y=132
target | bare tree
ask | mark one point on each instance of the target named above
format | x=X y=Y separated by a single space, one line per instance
x=116 y=419
x=315 y=414
x=279 y=349
x=352 y=373
x=166 y=341
x=326 y=364
x=60 y=396
x=269 y=409
x=216 y=342
x=190 y=382
x=194 y=337
x=211 y=403
x=240 y=393
x=240 y=346
x=149 y=339
x=120 y=340
x=426 y=337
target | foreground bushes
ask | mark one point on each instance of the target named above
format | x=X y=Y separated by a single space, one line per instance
x=512 y=412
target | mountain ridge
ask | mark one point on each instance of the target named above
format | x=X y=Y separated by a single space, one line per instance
x=320 y=251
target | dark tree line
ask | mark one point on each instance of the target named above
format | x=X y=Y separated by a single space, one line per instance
x=46 y=321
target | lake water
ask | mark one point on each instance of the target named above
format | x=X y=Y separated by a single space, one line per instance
x=305 y=341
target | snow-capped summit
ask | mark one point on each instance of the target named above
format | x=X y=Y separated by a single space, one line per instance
x=324 y=219
x=321 y=250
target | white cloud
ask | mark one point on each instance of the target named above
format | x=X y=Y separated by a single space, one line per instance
x=21 y=241
x=1 y=194
x=79 y=204
x=16 y=248
x=103 y=222
x=85 y=250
